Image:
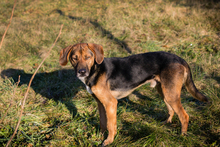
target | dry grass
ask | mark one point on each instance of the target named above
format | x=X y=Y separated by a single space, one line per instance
x=59 y=111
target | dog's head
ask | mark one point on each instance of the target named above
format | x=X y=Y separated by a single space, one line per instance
x=82 y=57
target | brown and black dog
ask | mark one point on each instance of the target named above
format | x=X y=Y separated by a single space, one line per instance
x=110 y=79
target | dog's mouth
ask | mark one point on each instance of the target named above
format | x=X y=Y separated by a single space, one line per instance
x=81 y=74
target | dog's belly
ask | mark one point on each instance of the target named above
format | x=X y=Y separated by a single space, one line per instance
x=121 y=93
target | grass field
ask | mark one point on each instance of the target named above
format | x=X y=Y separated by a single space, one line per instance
x=59 y=111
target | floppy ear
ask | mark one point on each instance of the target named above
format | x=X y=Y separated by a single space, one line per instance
x=64 y=55
x=98 y=51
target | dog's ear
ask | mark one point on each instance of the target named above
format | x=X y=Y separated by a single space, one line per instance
x=98 y=51
x=64 y=55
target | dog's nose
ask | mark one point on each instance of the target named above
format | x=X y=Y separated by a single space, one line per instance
x=82 y=71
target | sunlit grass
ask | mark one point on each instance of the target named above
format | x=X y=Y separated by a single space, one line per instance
x=59 y=111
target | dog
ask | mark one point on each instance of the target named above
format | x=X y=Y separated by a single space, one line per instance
x=110 y=79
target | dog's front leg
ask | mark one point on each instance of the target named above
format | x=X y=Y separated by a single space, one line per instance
x=102 y=114
x=108 y=111
x=111 y=112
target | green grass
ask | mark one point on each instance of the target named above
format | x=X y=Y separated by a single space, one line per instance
x=59 y=111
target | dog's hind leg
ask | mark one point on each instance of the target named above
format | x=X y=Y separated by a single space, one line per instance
x=171 y=84
x=171 y=112
x=170 y=109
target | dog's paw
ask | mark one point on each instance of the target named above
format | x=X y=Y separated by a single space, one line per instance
x=168 y=121
x=107 y=142
x=184 y=134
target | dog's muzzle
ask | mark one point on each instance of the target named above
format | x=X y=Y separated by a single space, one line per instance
x=82 y=73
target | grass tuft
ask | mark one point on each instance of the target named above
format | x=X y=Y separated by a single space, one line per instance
x=59 y=111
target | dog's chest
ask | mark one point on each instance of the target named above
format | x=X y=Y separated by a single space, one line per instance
x=87 y=87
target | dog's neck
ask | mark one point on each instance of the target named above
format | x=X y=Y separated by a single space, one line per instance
x=83 y=79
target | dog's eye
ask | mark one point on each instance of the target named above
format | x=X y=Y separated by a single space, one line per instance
x=87 y=57
x=75 y=58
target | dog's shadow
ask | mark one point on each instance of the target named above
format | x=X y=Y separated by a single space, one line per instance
x=59 y=85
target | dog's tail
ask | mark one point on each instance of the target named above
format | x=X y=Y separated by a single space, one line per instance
x=190 y=86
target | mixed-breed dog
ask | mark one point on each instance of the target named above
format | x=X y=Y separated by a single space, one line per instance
x=110 y=79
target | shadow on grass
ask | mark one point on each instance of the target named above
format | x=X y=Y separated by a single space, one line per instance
x=204 y=4
x=207 y=124
x=154 y=112
x=217 y=79
x=145 y=108
x=100 y=28
x=60 y=85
